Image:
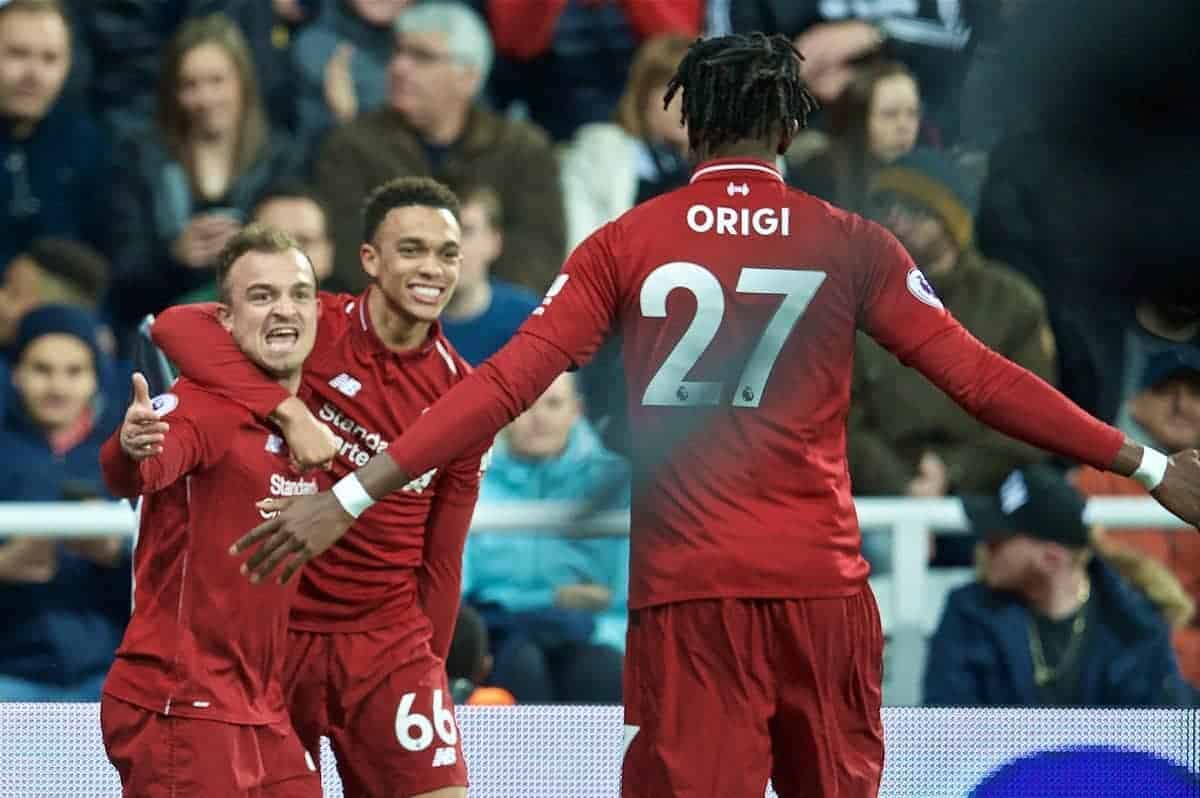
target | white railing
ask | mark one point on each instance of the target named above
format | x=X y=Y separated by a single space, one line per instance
x=910 y=596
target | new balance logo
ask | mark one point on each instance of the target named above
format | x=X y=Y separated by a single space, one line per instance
x=444 y=756
x=274 y=444
x=346 y=385
x=738 y=188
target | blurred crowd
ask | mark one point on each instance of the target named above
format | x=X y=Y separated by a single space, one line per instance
x=1034 y=158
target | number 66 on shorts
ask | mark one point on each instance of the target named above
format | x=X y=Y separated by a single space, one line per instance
x=415 y=731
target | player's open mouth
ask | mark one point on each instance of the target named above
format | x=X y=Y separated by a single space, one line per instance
x=283 y=338
x=427 y=294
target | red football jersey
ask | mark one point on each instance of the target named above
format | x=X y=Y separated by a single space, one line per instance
x=203 y=641
x=368 y=395
x=737 y=300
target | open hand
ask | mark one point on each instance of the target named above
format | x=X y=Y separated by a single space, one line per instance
x=339 y=84
x=142 y=431
x=1179 y=491
x=297 y=530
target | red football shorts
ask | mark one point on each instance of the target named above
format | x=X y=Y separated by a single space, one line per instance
x=726 y=692
x=385 y=705
x=166 y=756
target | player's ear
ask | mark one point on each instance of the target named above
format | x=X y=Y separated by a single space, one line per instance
x=368 y=256
x=225 y=316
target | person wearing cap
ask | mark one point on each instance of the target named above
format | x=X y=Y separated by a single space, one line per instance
x=1058 y=616
x=1166 y=411
x=905 y=437
x=66 y=601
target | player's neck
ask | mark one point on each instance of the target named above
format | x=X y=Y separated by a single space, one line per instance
x=291 y=383
x=469 y=301
x=398 y=331
x=750 y=150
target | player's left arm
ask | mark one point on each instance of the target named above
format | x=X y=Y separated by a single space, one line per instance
x=899 y=310
x=439 y=582
x=573 y=320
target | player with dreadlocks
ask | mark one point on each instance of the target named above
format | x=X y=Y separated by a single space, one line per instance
x=754 y=645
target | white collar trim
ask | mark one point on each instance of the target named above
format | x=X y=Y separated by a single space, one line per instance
x=726 y=167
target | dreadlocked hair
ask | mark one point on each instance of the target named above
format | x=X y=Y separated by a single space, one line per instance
x=740 y=87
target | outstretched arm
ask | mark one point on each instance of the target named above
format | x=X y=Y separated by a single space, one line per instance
x=900 y=311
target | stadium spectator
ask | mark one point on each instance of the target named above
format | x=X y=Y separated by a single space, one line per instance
x=341 y=63
x=187 y=186
x=1166 y=413
x=128 y=39
x=934 y=447
x=55 y=159
x=555 y=606
x=293 y=208
x=433 y=125
x=876 y=121
x=837 y=38
x=564 y=61
x=1058 y=617
x=469 y=663
x=611 y=166
x=66 y=600
x=484 y=311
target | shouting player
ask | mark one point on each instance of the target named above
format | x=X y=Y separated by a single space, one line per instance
x=194 y=705
x=754 y=643
x=373 y=621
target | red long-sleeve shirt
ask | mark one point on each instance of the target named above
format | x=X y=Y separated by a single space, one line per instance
x=737 y=300
x=400 y=565
x=203 y=642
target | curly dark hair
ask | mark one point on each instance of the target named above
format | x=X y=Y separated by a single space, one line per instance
x=740 y=87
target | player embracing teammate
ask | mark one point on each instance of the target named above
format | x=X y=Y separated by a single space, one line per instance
x=371 y=624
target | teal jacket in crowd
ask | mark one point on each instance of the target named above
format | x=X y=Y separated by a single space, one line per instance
x=521 y=572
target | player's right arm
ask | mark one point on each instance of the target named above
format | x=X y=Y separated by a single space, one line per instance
x=898 y=309
x=193 y=339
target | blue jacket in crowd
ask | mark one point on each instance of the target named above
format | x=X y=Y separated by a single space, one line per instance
x=980 y=654
x=65 y=631
x=522 y=572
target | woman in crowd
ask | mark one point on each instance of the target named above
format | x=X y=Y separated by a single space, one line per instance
x=611 y=166
x=875 y=121
x=190 y=181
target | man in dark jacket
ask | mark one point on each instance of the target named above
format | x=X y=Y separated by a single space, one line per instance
x=1053 y=620
x=433 y=126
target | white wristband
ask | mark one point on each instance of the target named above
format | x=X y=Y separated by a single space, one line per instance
x=352 y=495
x=1152 y=468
